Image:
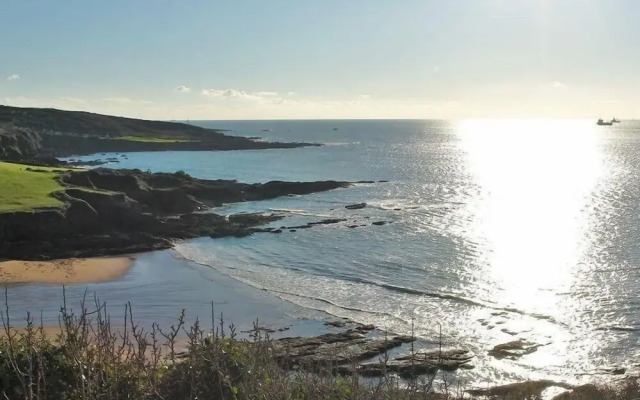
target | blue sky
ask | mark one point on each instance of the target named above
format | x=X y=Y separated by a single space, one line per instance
x=257 y=59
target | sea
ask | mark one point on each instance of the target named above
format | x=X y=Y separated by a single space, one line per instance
x=486 y=232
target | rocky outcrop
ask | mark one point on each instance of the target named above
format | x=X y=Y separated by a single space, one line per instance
x=345 y=352
x=333 y=349
x=420 y=363
x=122 y=211
x=513 y=350
x=356 y=206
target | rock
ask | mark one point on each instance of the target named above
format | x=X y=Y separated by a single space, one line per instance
x=307 y=226
x=520 y=390
x=276 y=231
x=332 y=349
x=292 y=230
x=356 y=206
x=513 y=350
x=588 y=391
x=328 y=221
x=366 y=182
x=253 y=219
x=352 y=226
x=337 y=324
x=379 y=223
x=419 y=364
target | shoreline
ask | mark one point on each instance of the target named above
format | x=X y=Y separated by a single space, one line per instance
x=65 y=271
x=201 y=290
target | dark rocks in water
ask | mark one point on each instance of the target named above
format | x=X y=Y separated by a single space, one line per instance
x=519 y=390
x=366 y=182
x=337 y=324
x=253 y=219
x=258 y=329
x=352 y=226
x=383 y=181
x=328 y=221
x=276 y=231
x=292 y=230
x=332 y=349
x=306 y=226
x=356 y=206
x=379 y=223
x=420 y=363
x=513 y=350
x=615 y=370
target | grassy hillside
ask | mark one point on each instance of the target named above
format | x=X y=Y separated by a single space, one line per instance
x=44 y=133
x=90 y=124
x=23 y=187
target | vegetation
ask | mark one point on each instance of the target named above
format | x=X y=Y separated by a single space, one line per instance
x=23 y=187
x=88 y=359
x=145 y=139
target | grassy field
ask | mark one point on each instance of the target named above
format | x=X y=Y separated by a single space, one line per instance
x=153 y=139
x=21 y=189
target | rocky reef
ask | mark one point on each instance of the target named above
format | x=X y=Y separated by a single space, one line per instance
x=110 y=212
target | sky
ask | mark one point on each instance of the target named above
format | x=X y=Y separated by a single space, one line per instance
x=297 y=59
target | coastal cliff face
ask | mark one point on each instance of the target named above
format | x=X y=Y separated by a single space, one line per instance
x=28 y=133
x=124 y=211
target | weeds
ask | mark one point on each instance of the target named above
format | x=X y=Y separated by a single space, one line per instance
x=89 y=359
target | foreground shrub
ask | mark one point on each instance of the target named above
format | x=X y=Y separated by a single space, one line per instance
x=88 y=359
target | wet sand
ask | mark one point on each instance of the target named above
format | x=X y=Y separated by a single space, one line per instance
x=65 y=271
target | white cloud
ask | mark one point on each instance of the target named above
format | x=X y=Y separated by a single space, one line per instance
x=266 y=94
x=13 y=77
x=365 y=96
x=183 y=89
x=122 y=100
x=558 y=85
x=72 y=100
x=241 y=94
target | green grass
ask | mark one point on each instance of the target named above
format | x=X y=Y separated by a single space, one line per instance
x=154 y=139
x=21 y=189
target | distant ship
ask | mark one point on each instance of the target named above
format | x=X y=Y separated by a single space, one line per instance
x=601 y=122
x=615 y=121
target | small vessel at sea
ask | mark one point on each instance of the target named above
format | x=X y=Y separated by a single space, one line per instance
x=615 y=121
x=602 y=122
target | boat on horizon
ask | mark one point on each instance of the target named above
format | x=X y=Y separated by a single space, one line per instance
x=615 y=121
x=602 y=122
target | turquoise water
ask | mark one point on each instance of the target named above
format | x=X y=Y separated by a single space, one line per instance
x=496 y=231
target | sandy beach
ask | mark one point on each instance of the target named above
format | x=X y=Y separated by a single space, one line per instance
x=64 y=271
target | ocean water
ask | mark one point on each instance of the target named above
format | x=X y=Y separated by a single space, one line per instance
x=496 y=231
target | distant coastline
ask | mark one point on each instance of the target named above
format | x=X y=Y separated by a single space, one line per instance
x=45 y=134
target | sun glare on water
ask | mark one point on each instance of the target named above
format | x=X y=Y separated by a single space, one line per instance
x=535 y=179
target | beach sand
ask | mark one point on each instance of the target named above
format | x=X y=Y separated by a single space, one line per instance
x=158 y=286
x=65 y=271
